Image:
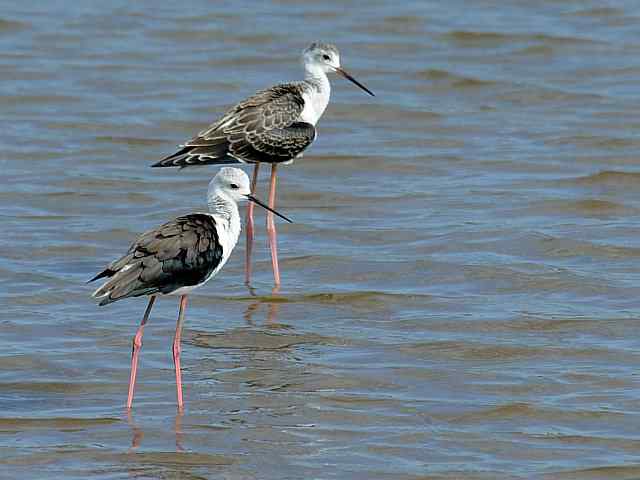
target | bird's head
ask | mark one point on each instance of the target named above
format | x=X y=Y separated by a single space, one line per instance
x=325 y=57
x=232 y=183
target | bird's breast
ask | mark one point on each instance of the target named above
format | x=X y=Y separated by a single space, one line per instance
x=315 y=103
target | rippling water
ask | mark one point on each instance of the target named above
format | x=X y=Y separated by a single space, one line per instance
x=460 y=292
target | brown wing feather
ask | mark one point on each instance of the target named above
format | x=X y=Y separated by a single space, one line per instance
x=263 y=128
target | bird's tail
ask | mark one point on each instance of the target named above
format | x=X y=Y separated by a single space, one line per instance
x=121 y=284
x=192 y=155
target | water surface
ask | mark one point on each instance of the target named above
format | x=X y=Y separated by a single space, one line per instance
x=460 y=289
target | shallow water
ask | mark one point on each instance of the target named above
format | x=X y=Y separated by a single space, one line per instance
x=460 y=291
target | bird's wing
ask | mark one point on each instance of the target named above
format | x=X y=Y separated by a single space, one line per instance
x=180 y=253
x=262 y=128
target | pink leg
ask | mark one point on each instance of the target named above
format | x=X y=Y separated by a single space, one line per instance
x=250 y=229
x=135 y=351
x=176 y=349
x=271 y=226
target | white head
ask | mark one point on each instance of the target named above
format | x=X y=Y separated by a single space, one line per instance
x=232 y=184
x=321 y=58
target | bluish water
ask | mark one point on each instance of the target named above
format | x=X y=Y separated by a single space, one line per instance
x=460 y=285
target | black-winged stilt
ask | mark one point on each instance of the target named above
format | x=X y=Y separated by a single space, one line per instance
x=273 y=126
x=177 y=257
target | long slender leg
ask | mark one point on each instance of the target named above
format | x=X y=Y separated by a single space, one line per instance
x=135 y=351
x=176 y=349
x=250 y=229
x=271 y=226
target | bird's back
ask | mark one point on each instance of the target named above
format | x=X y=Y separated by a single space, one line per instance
x=182 y=253
x=266 y=127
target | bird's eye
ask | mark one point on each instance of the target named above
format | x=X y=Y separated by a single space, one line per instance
x=326 y=57
x=234 y=186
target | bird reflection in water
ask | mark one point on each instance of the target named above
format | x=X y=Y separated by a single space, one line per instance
x=273 y=307
x=137 y=433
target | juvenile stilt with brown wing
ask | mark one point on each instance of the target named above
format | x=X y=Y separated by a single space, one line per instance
x=273 y=126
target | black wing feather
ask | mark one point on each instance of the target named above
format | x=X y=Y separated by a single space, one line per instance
x=180 y=253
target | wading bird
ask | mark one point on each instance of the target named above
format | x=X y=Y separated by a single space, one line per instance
x=178 y=257
x=273 y=126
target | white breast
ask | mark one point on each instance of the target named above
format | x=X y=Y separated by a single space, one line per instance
x=228 y=233
x=315 y=103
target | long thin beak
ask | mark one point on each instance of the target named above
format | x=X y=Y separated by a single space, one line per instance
x=350 y=78
x=255 y=200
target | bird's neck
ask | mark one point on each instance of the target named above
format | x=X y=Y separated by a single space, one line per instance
x=317 y=93
x=316 y=77
x=226 y=213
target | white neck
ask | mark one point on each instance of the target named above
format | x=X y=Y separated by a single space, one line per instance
x=317 y=96
x=225 y=211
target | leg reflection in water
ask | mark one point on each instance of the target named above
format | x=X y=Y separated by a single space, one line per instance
x=137 y=433
x=177 y=428
x=272 y=312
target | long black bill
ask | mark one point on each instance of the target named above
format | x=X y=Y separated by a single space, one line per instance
x=255 y=200
x=350 y=78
